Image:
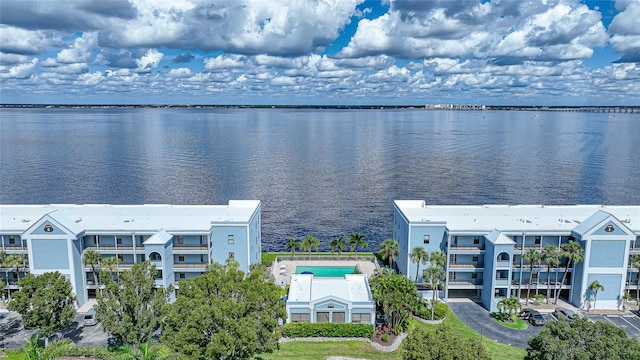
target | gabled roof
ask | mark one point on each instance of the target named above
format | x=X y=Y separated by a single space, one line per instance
x=59 y=218
x=592 y=221
x=160 y=238
x=498 y=238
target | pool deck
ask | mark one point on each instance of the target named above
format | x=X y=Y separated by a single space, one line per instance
x=283 y=278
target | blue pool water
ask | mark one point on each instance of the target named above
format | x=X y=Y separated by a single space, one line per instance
x=326 y=271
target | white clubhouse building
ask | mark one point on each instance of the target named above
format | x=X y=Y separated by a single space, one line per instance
x=485 y=246
x=181 y=240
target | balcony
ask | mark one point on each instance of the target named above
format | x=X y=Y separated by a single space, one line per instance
x=465 y=284
x=197 y=249
x=466 y=265
x=504 y=264
x=466 y=249
x=190 y=266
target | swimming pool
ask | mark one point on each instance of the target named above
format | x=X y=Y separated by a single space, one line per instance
x=326 y=271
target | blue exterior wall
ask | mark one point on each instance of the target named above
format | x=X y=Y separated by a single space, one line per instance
x=50 y=254
x=609 y=226
x=40 y=229
x=255 y=239
x=488 y=278
x=400 y=233
x=189 y=240
x=607 y=253
x=78 y=272
x=222 y=248
x=437 y=240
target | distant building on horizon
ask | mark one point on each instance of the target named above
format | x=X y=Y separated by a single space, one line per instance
x=181 y=240
x=485 y=245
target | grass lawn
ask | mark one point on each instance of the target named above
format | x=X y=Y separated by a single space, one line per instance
x=321 y=350
x=518 y=324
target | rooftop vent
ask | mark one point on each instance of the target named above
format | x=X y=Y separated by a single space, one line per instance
x=26 y=220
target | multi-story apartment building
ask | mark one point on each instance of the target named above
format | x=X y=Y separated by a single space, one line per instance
x=181 y=240
x=485 y=246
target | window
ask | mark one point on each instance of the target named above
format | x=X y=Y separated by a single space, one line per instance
x=474 y=258
x=322 y=316
x=180 y=240
x=337 y=317
x=231 y=255
x=230 y=239
x=180 y=257
x=425 y=239
x=96 y=239
x=181 y=275
x=474 y=275
x=119 y=240
x=476 y=240
x=154 y=256
x=361 y=318
x=159 y=274
x=538 y=240
x=300 y=317
x=121 y=257
x=12 y=239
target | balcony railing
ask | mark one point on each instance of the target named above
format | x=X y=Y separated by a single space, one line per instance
x=467 y=247
x=466 y=265
x=466 y=282
x=189 y=248
x=189 y=266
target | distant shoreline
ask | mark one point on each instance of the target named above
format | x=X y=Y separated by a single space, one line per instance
x=618 y=109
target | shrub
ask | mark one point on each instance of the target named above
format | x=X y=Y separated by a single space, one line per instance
x=501 y=316
x=268 y=258
x=385 y=337
x=424 y=312
x=441 y=310
x=327 y=330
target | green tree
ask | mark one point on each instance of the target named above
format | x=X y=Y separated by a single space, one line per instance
x=573 y=253
x=14 y=261
x=551 y=257
x=33 y=350
x=356 y=240
x=309 y=243
x=110 y=265
x=338 y=244
x=436 y=273
x=582 y=340
x=419 y=256
x=595 y=287
x=45 y=302
x=291 y=245
x=510 y=306
x=389 y=251
x=440 y=343
x=3 y=256
x=92 y=258
x=130 y=306
x=223 y=314
x=532 y=256
x=635 y=262
x=146 y=351
x=396 y=295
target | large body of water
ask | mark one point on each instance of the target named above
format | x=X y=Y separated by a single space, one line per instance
x=321 y=172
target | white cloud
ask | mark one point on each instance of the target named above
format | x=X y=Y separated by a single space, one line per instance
x=79 y=51
x=625 y=29
x=225 y=62
x=22 y=71
x=149 y=61
x=22 y=41
x=180 y=73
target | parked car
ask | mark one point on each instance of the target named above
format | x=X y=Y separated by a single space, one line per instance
x=89 y=318
x=536 y=319
x=566 y=314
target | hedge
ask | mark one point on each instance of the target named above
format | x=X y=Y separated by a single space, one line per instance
x=439 y=312
x=327 y=330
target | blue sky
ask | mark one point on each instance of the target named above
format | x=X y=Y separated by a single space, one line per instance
x=312 y=52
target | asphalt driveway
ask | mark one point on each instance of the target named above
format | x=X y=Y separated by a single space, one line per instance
x=476 y=317
x=14 y=335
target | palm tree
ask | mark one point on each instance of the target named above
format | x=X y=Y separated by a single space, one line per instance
x=32 y=350
x=109 y=264
x=434 y=274
x=92 y=258
x=13 y=261
x=532 y=256
x=337 y=244
x=510 y=305
x=635 y=262
x=551 y=256
x=438 y=258
x=292 y=244
x=3 y=257
x=419 y=256
x=356 y=240
x=145 y=351
x=309 y=243
x=595 y=286
x=389 y=251
x=574 y=253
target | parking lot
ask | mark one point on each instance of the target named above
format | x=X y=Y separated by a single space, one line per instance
x=629 y=323
x=14 y=335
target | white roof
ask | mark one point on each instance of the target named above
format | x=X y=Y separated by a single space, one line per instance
x=307 y=288
x=509 y=218
x=160 y=238
x=197 y=218
x=498 y=238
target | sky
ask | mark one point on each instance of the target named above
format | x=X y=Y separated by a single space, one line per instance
x=320 y=52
